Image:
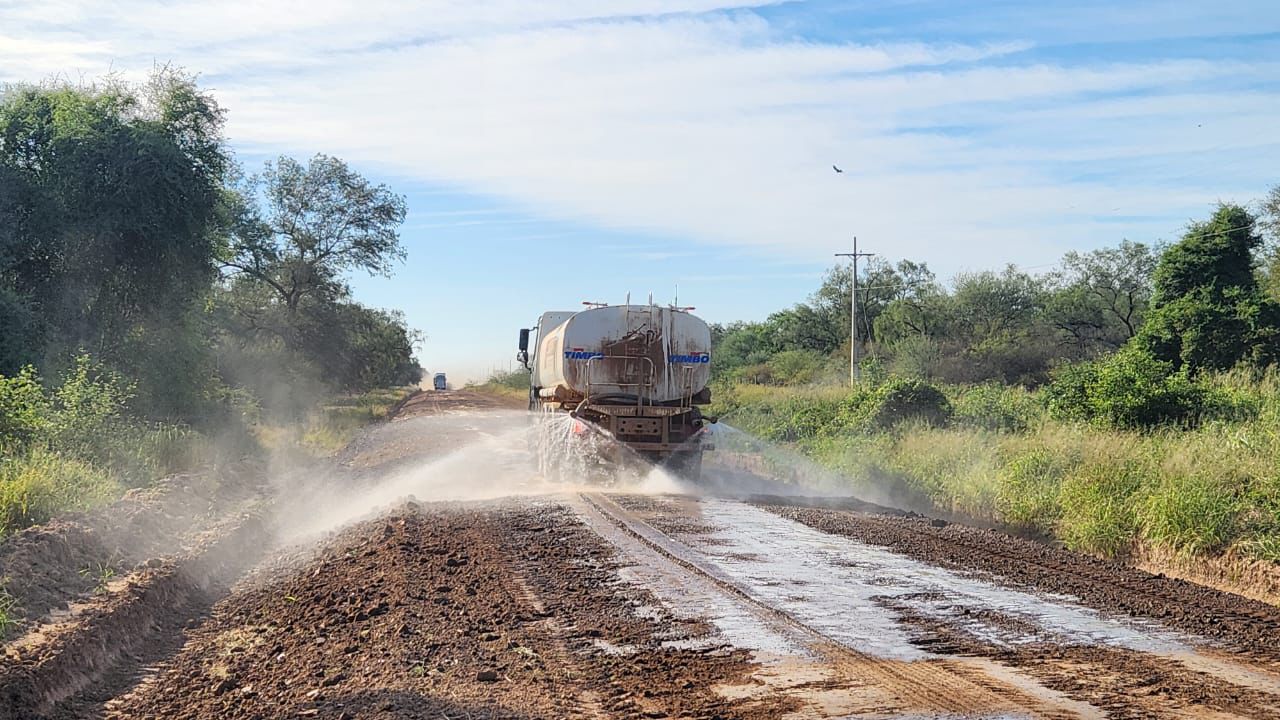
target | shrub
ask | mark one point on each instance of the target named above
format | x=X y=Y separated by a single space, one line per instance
x=24 y=409
x=900 y=400
x=1067 y=396
x=755 y=374
x=1134 y=390
x=1002 y=408
x=88 y=415
x=796 y=367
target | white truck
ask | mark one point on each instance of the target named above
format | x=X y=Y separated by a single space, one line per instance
x=635 y=374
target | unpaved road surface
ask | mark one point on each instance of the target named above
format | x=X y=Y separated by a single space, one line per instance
x=430 y=574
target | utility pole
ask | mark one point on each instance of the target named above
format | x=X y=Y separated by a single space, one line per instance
x=854 y=371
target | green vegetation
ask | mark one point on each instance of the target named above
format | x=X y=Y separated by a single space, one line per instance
x=1130 y=398
x=156 y=304
x=507 y=383
x=337 y=421
x=8 y=606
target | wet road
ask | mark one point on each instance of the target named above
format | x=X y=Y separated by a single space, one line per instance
x=850 y=629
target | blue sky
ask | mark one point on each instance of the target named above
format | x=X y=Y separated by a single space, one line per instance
x=570 y=150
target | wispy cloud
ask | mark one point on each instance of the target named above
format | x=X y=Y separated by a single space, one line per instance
x=701 y=120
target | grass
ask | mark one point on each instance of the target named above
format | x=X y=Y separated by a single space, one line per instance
x=332 y=425
x=37 y=484
x=511 y=384
x=102 y=574
x=8 y=612
x=44 y=478
x=1199 y=492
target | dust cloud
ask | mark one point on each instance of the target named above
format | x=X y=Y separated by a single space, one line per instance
x=470 y=457
x=475 y=456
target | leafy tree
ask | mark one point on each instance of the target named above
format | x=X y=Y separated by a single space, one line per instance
x=319 y=222
x=1269 y=224
x=990 y=306
x=359 y=348
x=1217 y=255
x=740 y=344
x=1208 y=311
x=803 y=328
x=107 y=199
x=926 y=312
x=1104 y=294
x=880 y=285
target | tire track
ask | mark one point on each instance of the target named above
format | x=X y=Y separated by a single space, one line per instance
x=1247 y=624
x=938 y=686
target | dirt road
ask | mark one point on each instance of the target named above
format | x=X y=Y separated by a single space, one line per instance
x=432 y=575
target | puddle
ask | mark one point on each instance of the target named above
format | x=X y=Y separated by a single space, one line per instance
x=769 y=556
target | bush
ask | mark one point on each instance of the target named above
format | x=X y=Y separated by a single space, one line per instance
x=24 y=409
x=1066 y=397
x=1001 y=408
x=88 y=416
x=899 y=401
x=1134 y=390
x=796 y=367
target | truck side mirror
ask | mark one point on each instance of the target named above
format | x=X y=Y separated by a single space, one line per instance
x=524 y=339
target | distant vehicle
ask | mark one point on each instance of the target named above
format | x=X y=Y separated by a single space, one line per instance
x=439 y=382
x=636 y=374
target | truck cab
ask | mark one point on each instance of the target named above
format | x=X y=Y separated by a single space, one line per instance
x=440 y=382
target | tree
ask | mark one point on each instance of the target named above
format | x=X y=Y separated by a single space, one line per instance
x=1207 y=309
x=880 y=284
x=803 y=328
x=740 y=344
x=991 y=306
x=1105 y=293
x=108 y=195
x=1269 y=225
x=319 y=222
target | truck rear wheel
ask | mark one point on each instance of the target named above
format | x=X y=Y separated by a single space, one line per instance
x=685 y=465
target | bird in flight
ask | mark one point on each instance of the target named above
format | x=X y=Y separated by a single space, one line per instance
x=833 y=167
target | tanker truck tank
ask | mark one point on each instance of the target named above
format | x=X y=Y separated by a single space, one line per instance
x=636 y=373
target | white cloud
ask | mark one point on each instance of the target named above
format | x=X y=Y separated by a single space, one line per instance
x=704 y=125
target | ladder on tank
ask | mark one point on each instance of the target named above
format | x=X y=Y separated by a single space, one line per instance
x=640 y=334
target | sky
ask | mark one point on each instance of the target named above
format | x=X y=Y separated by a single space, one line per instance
x=562 y=151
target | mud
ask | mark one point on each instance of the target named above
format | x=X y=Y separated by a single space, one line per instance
x=45 y=568
x=505 y=611
x=46 y=669
x=1245 y=624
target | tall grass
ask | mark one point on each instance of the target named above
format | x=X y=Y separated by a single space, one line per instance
x=1201 y=491
x=74 y=447
x=38 y=483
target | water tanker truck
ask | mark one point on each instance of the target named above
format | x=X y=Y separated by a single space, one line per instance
x=632 y=374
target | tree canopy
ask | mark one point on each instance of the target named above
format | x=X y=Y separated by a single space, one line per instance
x=119 y=206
